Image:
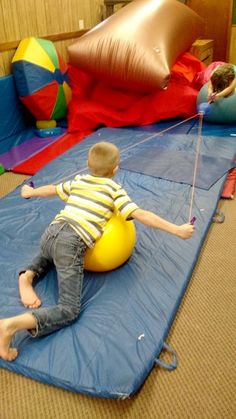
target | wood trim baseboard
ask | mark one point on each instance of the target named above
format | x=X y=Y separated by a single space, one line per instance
x=7 y=46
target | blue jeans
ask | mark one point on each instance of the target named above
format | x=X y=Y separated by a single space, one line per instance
x=60 y=246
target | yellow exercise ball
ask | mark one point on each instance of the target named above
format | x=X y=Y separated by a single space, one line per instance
x=114 y=246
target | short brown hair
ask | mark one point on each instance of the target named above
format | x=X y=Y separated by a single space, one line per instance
x=222 y=77
x=103 y=158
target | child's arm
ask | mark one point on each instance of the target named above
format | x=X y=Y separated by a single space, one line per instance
x=210 y=94
x=209 y=90
x=227 y=91
x=184 y=231
x=42 y=192
x=224 y=93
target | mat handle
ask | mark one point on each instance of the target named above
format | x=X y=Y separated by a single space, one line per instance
x=164 y=364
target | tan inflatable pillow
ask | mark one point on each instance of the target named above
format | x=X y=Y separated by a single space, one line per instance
x=136 y=47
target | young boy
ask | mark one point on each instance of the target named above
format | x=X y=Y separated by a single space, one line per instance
x=90 y=202
x=222 y=82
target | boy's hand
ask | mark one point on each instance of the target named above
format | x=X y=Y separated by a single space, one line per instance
x=185 y=231
x=26 y=191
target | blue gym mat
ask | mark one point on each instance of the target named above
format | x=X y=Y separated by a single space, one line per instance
x=13 y=117
x=177 y=166
x=127 y=313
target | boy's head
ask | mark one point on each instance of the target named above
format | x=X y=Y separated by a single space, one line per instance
x=103 y=159
x=222 y=77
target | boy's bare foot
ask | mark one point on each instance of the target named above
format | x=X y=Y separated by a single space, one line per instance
x=28 y=296
x=6 y=353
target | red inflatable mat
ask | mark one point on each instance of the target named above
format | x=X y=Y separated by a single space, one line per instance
x=95 y=103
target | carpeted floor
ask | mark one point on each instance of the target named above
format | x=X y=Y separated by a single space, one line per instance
x=9 y=181
x=203 y=334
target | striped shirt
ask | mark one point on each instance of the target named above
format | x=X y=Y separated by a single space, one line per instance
x=90 y=203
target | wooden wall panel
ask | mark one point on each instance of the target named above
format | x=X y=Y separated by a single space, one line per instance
x=217 y=16
x=5 y=62
x=232 y=52
x=22 y=18
x=8 y=21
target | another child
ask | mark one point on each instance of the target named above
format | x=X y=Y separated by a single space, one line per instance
x=222 y=82
x=90 y=201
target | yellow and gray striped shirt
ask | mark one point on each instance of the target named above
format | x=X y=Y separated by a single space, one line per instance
x=90 y=203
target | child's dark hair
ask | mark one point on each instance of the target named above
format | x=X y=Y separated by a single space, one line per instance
x=222 y=77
